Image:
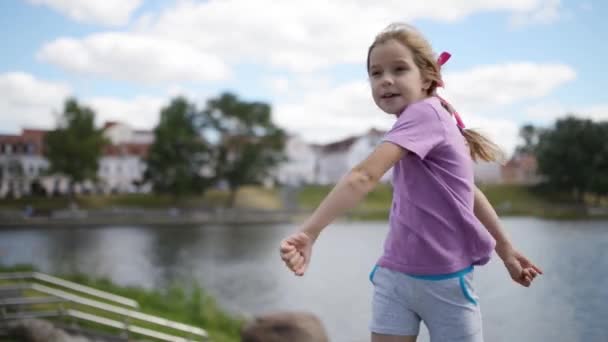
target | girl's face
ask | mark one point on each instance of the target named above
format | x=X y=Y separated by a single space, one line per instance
x=395 y=79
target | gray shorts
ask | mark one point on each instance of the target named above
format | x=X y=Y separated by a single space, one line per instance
x=448 y=306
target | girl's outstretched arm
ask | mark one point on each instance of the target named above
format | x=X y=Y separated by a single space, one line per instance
x=353 y=187
x=520 y=268
x=350 y=190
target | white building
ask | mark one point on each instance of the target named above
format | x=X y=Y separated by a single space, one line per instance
x=301 y=166
x=326 y=164
x=120 y=133
x=21 y=162
x=122 y=166
x=363 y=147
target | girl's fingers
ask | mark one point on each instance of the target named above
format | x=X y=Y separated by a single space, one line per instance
x=289 y=255
x=538 y=270
x=302 y=269
x=290 y=265
x=298 y=265
x=295 y=259
x=286 y=247
x=532 y=273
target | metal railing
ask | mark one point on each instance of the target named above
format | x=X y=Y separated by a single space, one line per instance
x=19 y=276
x=63 y=298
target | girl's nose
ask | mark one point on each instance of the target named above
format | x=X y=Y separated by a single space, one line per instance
x=386 y=80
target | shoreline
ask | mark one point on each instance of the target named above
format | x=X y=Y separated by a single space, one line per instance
x=177 y=217
x=169 y=216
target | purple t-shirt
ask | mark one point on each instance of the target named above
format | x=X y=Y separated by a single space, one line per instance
x=433 y=229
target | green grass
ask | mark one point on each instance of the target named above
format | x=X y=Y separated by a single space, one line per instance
x=184 y=303
x=247 y=197
x=375 y=206
x=508 y=200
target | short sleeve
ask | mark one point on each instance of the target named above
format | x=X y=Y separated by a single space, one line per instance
x=418 y=129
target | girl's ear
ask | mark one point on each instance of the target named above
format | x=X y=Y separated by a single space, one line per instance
x=426 y=85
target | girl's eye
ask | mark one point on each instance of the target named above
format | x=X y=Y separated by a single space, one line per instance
x=375 y=73
x=400 y=69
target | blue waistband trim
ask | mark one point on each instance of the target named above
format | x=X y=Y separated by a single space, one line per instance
x=443 y=276
x=465 y=291
x=371 y=275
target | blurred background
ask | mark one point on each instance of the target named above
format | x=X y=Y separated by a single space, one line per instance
x=160 y=150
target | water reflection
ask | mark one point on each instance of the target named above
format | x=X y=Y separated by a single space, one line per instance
x=240 y=266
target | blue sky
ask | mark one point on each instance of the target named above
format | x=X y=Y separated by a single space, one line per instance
x=513 y=62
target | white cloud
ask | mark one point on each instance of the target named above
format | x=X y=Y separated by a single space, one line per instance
x=29 y=102
x=312 y=34
x=26 y=101
x=326 y=114
x=545 y=13
x=278 y=85
x=551 y=111
x=504 y=132
x=133 y=57
x=196 y=38
x=141 y=112
x=106 y=12
x=484 y=87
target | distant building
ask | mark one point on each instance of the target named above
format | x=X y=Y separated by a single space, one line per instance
x=21 y=162
x=301 y=165
x=332 y=160
x=521 y=169
x=23 y=166
x=122 y=165
x=121 y=133
x=326 y=163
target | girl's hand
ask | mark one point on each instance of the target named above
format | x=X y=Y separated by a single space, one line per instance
x=295 y=252
x=522 y=271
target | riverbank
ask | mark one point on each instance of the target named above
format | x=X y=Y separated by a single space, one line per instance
x=143 y=216
x=508 y=201
x=255 y=205
x=184 y=303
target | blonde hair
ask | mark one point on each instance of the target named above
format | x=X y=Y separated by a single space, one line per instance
x=424 y=57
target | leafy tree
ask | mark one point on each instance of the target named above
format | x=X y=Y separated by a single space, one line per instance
x=599 y=179
x=529 y=134
x=247 y=144
x=568 y=155
x=177 y=159
x=74 y=147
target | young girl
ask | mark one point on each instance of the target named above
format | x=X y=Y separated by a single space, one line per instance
x=441 y=224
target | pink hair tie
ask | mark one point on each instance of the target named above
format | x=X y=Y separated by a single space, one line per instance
x=443 y=58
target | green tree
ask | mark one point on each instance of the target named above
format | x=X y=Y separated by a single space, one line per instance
x=247 y=144
x=529 y=134
x=599 y=180
x=567 y=155
x=176 y=161
x=74 y=147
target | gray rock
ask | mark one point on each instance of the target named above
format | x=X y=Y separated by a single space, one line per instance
x=284 y=326
x=35 y=330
